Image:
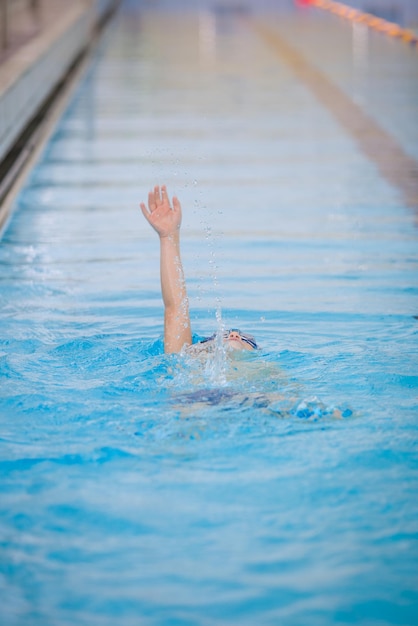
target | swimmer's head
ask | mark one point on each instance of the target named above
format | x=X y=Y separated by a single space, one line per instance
x=236 y=340
x=232 y=339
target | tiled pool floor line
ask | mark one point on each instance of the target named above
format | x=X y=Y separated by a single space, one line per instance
x=139 y=488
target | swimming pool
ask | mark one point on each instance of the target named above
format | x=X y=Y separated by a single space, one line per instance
x=152 y=489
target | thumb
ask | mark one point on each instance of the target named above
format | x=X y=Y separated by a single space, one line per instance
x=144 y=210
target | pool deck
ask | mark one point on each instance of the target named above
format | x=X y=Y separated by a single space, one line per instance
x=42 y=46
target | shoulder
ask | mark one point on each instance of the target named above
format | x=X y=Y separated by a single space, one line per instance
x=202 y=346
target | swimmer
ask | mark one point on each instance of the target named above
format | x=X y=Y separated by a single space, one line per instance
x=165 y=219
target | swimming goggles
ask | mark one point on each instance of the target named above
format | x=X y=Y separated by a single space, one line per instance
x=248 y=339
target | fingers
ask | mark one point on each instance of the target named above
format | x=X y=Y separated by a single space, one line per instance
x=176 y=204
x=164 y=194
x=158 y=197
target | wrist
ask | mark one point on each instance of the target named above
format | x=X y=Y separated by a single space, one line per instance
x=174 y=236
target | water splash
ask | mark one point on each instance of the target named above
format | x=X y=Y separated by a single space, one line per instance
x=216 y=364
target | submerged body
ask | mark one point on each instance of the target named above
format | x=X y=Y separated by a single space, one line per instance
x=269 y=403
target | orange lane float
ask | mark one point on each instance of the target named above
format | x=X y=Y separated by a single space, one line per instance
x=376 y=23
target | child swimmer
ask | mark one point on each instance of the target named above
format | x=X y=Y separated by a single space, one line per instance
x=165 y=219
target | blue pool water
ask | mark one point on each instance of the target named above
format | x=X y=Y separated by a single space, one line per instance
x=275 y=488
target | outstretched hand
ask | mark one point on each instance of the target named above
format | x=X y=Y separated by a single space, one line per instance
x=164 y=219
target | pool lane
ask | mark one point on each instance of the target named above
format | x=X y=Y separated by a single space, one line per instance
x=113 y=507
x=202 y=102
x=393 y=162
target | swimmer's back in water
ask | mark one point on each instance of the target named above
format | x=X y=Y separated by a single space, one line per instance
x=165 y=219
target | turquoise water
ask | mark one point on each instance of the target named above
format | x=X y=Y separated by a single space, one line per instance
x=275 y=488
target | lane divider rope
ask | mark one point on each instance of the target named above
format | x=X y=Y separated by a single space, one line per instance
x=376 y=23
x=395 y=165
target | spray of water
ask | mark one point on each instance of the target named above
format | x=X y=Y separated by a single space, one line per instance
x=217 y=363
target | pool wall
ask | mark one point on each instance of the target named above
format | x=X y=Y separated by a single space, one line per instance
x=30 y=73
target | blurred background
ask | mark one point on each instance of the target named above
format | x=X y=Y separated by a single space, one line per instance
x=21 y=19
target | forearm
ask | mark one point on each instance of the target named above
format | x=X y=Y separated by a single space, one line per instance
x=166 y=221
x=177 y=331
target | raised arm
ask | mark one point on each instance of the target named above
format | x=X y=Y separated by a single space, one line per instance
x=166 y=220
